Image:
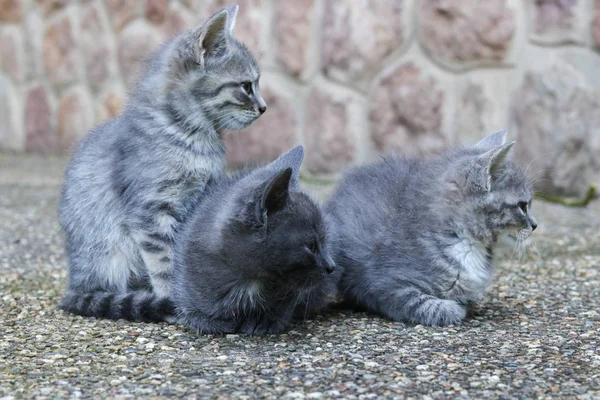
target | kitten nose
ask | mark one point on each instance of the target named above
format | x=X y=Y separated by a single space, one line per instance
x=533 y=223
x=329 y=264
x=262 y=105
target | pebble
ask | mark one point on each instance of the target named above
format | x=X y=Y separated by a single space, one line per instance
x=535 y=334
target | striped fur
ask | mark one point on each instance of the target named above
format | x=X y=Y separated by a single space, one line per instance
x=133 y=179
x=139 y=305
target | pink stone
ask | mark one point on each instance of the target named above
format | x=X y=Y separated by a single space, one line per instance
x=11 y=128
x=110 y=105
x=463 y=31
x=11 y=10
x=471 y=114
x=40 y=133
x=249 y=20
x=178 y=19
x=556 y=120
x=95 y=49
x=33 y=33
x=358 y=35
x=59 y=52
x=155 y=10
x=553 y=14
x=12 y=58
x=75 y=117
x=406 y=113
x=292 y=26
x=121 y=12
x=135 y=43
x=271 y=135
x=329 y=144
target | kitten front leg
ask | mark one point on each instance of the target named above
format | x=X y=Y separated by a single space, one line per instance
x=158 y=260
x=411 y=305
x=200 y=324
x=265 y=326
x=155 y=240
x=274 y=322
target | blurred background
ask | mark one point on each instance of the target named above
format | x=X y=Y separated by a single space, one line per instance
x=351 y=79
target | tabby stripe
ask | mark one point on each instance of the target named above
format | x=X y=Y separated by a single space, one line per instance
x=105 y=305
x=164 y=275
x=229 y=103
x=171 y=211
x=160 y=237
x=215 y=93
x=127 y=307
x=150 y=247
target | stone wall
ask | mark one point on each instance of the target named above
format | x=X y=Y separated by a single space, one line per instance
x=350 y=79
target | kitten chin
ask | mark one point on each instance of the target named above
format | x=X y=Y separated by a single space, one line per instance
x=414 y=237
x=253 y=254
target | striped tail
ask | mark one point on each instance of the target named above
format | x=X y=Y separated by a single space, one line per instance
x=140 y=305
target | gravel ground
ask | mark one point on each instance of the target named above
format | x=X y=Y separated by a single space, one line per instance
x=535 y=335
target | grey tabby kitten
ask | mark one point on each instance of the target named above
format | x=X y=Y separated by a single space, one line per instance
x=415 y=236
x=133 y=179
x=253 y=254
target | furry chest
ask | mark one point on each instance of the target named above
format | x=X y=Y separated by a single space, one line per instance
x=475 y=269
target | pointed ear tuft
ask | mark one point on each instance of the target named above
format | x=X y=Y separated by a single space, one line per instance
x=293 y=160
x=493 y=161
x=276 y=192
x=210 y=36
x=492 y=141
x=231 y=17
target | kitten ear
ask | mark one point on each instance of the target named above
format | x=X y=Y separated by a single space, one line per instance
x=276 y=192
x=210 y=37
x=270 y=196
x=231 y=17
x=492 y=141
x=292 y=159
x=492 y=161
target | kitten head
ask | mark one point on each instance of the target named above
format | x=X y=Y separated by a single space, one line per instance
x=276 y=232
x=488 y=192
x=213 y=75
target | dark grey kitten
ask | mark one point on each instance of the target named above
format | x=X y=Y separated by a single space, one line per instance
x=414 y=236
x=253 y=254
x=132 y=180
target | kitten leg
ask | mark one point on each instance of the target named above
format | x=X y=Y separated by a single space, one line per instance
x=268 y=323
x=201 y=324
x=155 y=238
x=265 y=326
x=410 y=304
x=157 y=258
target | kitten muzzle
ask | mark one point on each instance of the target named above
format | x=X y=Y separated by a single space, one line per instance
x=326 y=262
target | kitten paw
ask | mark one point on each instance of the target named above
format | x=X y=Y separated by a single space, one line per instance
x=441 y=312
x=265 y=327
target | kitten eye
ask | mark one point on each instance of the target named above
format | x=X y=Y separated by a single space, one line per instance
x=247 y=87
x=523 y=206
x=313 y=247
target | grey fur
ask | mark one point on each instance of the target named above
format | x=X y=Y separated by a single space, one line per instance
x=244 y=262
x=415 y=237
x=132 y=180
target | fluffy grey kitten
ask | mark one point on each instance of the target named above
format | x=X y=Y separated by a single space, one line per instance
x=253 y=254
x=132 y=179
x=414 y=236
